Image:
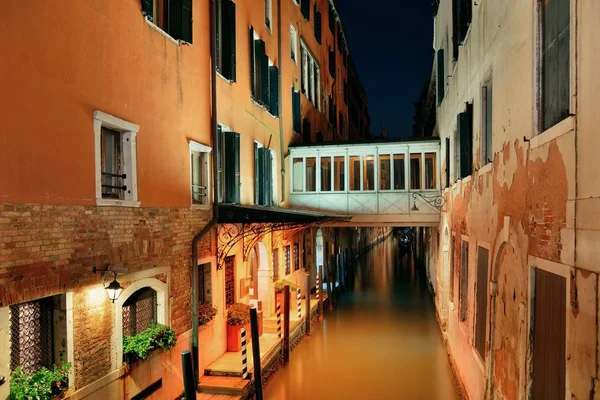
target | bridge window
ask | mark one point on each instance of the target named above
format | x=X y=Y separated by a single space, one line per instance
x=355 y=173
x=326 y=174
x=384 y=172
x=369 y=173
x=430 y=177
x=339 y=174
x=415 y=171
x=399 y=171
x=298 y=167
x=311 y=174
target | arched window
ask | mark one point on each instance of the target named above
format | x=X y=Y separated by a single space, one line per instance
x=139 y=311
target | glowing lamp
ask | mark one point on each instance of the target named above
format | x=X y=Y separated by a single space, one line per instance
x=114 y=289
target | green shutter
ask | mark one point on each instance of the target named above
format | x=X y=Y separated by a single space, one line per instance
x=257 y=180
x=455 y=30
x=267 y=178
x=186 y=21
x=174 y=18
x=260 y=177
x=232 y=41
x=441 y=84
x=219 y=146
x=236 y=152
x=317 y=25
x=464 y=127
x=264 y=77
x=229 y=167
x=148 y=9
x=252 y=61
x=274 y=90
x=295 y=111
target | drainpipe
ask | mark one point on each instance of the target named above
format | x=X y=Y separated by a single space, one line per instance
x=215 y=217
x=280 y=106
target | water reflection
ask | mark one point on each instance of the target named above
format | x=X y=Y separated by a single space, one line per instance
x=382 y=341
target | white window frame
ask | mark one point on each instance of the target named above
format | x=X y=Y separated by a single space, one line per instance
x=310 y=67
x=128 y=133
x=269 y=14
x=205 y=152
x=294 y=44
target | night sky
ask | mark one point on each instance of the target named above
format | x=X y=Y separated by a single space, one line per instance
x=391 y=43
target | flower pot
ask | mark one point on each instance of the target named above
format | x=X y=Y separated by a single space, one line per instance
x=234 y=336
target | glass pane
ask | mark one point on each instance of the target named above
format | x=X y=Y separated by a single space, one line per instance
x=355 y=173
x=339 y=174
x=311 y=174
x=326 y=174
x=415 y=171
x=430 y=171
x=298 y=171
x=369 y=171
x=110 y=149
x=384 y=172
x=399 y=171
x=197 y=189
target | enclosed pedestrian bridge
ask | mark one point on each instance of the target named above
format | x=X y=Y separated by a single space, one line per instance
x=391 y=182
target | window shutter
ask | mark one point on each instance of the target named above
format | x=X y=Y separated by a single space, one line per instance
x=148 y=9
x=257 y=179
x=440 y=76
x=455 y=11
x=447 y=162
x=464 y=18
x=305 y=8
x=264 y=81
x=306 y=132
x=229 y=167
x=219 y=146
x=274 y=89
x=186 y=21
x=317 y=25
x=252 y=61
x=295 y=111
x=232 y=41
x=268 y=178
x=236 y=164
x=466 y=144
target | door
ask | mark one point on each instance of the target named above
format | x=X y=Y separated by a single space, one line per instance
x=549 y=336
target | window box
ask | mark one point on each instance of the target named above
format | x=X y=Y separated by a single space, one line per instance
x=42 y=384
x=139 y=346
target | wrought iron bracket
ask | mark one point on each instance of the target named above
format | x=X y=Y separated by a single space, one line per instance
x=436 y=201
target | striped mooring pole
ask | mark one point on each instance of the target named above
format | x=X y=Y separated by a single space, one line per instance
x=318 y=291
x=244 y=355
x=278 y=320
x=299 y=298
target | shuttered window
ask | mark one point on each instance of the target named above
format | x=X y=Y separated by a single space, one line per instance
x=226 y=39
x=274 y=90
x=448 y=162
x=455 y=30
x=465 y=14
x=228 y=166
x=441 y=83
x=317 y=25
x=263 y=162
x=296 y=118
x=482 y=297
x=264 y=76
x=293 y=44
x=174 y=17
x=465 y=132
x=555 y=57
x=464 y=280
x=305 y=8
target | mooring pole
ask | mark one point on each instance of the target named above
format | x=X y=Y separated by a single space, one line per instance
x=258 y=389
x=187 y=366
x=329 y=297
x=319 y=290
x=286 y=323
x=307 y=312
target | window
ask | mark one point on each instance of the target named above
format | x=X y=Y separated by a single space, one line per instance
x=311 y=174
x=415 y=171
x=452 y=258
x=229 y=280
x=462 y=11
x=204 y=283
x=173 y=17
x=486 y=119
x=464 y=279
x=311 y=76
x=326 y=174
x=430 y=176
x=263 y=175
x=200 y=173
x=399 y=171
x=384 y=172
x=317 y=24
x=332 y=62
x=354 y=172
x=555 y=61
x=228 y=165
x=441 y=83
x=226 y=39
x=482 y=297
x=139 y=311
x=296 y=256
x=268 y=13
x=287 y=260
x=369 y=173
x=464 y=126
x=115 y=147
x=296 y=117
x=276 y=264
x=305 y=9
x=293 y=44
x=298 y=174
x=264 y=76
x=31 y=335
x=339 y=174
x=448 y=162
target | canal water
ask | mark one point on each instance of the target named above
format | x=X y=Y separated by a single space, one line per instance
x=381 y=342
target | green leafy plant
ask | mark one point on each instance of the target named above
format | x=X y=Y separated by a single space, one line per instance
x=39 y=385
x=156 y=336
x=280 y=284
x=206 y=313
x=238 y=314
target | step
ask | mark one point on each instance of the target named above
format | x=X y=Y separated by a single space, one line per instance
x=224 y=385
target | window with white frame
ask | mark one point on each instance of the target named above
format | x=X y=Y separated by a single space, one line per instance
x=293 y=44
x=268 y=14
x=200 y=173
x=116 y=164
x=263 y=175
x=311 y=76
x=140 y=311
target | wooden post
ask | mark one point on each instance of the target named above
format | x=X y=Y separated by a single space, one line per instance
x=258 y=389
x=286 y=323
x=307 y=311
x=329 y=297
x=189 y=382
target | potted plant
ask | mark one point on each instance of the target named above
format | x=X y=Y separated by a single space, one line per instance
x=279 y=285
x=238 y=316
x=43 y=384
x=138 y=347
x=206 y=313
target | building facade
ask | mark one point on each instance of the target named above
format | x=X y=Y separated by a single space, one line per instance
x=517 y=277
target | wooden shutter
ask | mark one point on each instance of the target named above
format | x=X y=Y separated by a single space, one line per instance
x=148 y=9
x=252 y=62
x=268 y=178
x=448 y=161
x=455 y=11
x=264 y=79
x=232 y=41
x=232 y=167
x=219 y=146
x=466 y=141
x=305 y=8
x=317 y=25
x=441 y=84
x=257 y=177
x=236 y=152
x=295 y=111
x=464 y=18
x=186 y=21
x=274 y=90
x=482 y=298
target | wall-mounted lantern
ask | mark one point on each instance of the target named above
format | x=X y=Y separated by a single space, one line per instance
x=114 y=288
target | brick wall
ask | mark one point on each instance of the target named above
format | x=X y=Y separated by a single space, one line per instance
x=50 y=249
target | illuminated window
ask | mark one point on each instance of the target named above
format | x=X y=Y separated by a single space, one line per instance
x=384 y=172
x=355 y=173
x=326 y=174
x=399 y=172
x=311 y=174
x=139 y=311
x=339 y=174
x=298 y=173
x=415 y=171
x=430 y=177
x=369 y=173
